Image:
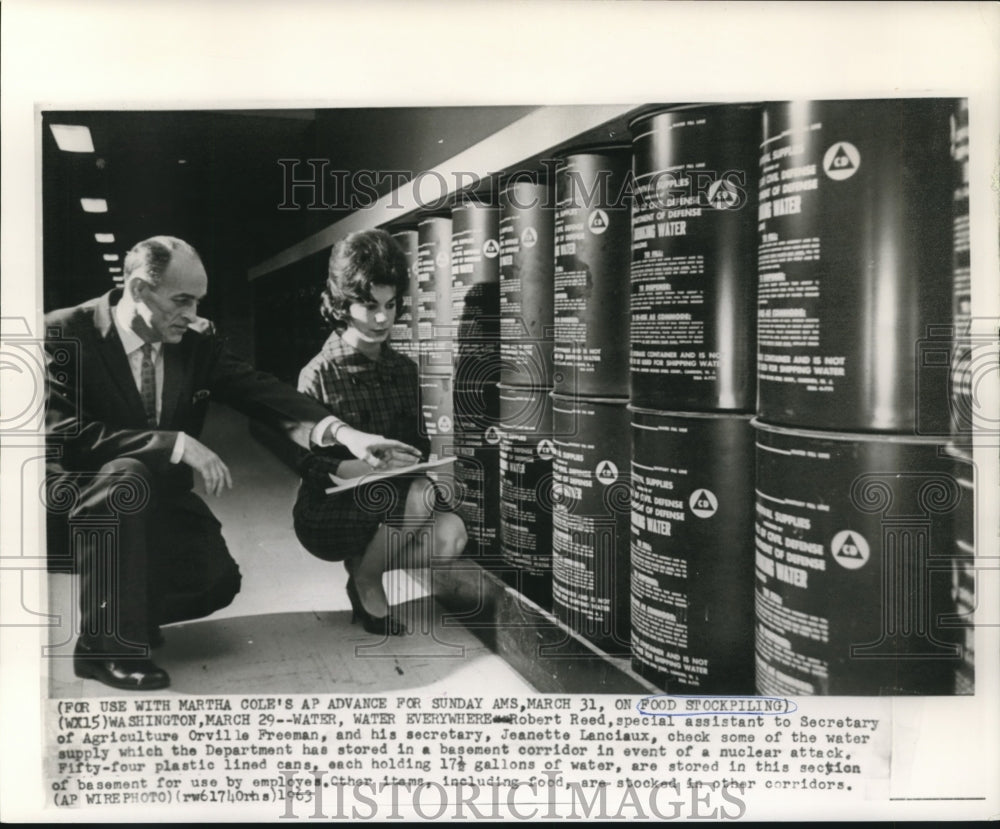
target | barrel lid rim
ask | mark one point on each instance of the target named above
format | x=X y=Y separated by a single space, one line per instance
x=854 y=437
x=676 y=413
x=668 y=108
x=528 y=178
x=589 y=398
x=463 y=203
x=594 y=149
x=547 y=388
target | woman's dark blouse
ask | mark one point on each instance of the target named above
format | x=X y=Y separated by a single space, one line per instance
x=376 y=396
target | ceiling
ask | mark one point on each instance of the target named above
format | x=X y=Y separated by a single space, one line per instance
x=214 y=179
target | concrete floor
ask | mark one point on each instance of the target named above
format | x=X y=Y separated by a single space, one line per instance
x=289 y=629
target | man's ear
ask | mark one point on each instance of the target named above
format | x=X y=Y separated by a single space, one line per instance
x=136 y=289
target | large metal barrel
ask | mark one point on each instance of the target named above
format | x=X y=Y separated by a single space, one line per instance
x=475 y=292
x=692 y=550
x=526 y=284
x=592 y=234
x=435 y=327
x=590 y=521
x=694 y=258
x=961 y=379
x=526 y=453
x=404 y=331
x=854 y=539
x=964 y=570
x=438 y=410
x=477 y=468
x=855 y=270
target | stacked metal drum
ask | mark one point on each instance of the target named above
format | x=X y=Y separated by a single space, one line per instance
x=475 y=307
x=856 y=495
x=527 y=210
x=693 y=297
x=435 y=338
x=960 y=447
x=710 y=397
x=404 y=331
x=591 y=493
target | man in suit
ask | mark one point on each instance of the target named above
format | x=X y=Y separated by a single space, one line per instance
x=130 y=377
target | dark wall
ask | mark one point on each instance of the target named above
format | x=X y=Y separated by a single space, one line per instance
x=215 y=179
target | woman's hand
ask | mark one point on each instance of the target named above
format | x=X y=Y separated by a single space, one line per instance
x=375 y=450
x=353 y=469
x=399 y=457
x=359 y=468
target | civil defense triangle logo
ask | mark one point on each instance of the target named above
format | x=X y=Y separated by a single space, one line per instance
x=722 y=195
x=703 y=503
x=850 y=549
x=841 y=161
x=607 y=472
x=597 y=223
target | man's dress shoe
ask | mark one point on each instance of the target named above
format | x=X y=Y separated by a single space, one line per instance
x=125 y=672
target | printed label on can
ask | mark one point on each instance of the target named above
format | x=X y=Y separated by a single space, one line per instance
x=590 y=535
x=846 y=598
x=692 y=273
x=829 y=278
x=525 y=505
x=692 y=602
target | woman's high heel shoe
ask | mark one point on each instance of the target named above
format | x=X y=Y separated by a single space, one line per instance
x=379 y=625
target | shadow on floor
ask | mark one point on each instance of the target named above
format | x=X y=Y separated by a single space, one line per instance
x=310 y=647
x=305 y=652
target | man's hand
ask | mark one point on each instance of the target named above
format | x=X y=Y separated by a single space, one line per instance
x=202 y=459
x=376 y=450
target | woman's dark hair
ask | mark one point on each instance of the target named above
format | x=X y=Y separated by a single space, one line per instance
x=358 y=262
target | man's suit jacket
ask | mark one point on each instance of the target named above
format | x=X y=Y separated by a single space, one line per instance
x=95 y=413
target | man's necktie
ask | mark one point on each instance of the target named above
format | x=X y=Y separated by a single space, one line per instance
x=148 y=384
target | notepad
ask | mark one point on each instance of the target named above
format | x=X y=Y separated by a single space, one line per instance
x=344 y=484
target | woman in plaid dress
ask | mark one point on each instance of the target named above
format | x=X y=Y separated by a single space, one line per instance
x=394 y=521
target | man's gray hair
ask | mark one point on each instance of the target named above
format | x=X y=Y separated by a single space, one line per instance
x=149 y=258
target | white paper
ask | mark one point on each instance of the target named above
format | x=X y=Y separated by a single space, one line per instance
x=344 y=484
